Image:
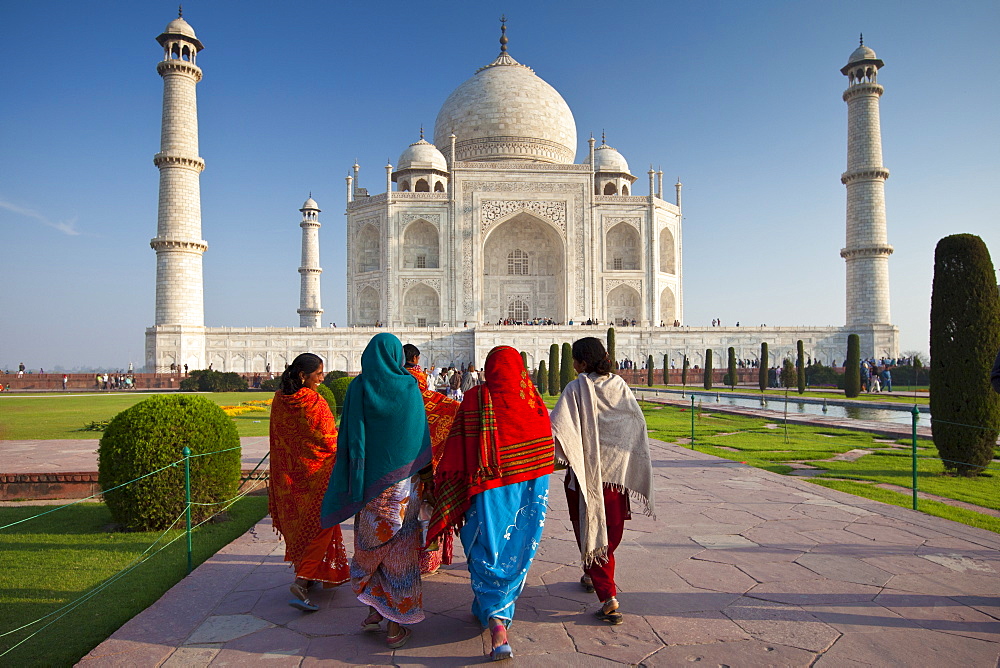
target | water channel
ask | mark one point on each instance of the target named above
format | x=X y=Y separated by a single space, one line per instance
x=797 y=406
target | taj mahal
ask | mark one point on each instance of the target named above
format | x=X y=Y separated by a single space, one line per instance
x=498 y=232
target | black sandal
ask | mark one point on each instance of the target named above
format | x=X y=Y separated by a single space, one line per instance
x=587 y=584
x=611 y=616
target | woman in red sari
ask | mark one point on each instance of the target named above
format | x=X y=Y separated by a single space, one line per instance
x=303 y=451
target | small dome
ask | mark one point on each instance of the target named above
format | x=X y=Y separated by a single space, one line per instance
x=310 y=204
x=180 y=27
x=607 y=159
x=862 y=53
x=422 y=155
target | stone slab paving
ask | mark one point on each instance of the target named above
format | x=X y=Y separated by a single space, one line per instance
x=743 y=567
x=74 y=455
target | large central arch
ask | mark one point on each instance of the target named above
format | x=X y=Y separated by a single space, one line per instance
x=524 y=261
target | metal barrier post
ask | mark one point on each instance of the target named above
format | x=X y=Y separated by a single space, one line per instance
x=916 y=416
x=187 y=497
x=692 y=421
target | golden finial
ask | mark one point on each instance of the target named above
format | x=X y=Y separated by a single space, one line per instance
x=861 y=40
x=503 y=33
x=604 y=141
x=421 y=131
x=180 y=11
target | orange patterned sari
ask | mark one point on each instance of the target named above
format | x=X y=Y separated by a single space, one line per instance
x=303 y=451
x=441 y=412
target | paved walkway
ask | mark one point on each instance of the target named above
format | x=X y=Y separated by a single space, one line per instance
x=743 y=567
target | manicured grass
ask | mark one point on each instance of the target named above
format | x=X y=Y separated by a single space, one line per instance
x=896 y=397
x=748 y=440
x=53 y=560
x=59 y=416
x=936 y=508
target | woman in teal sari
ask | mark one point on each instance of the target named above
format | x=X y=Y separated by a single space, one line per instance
x=384 y=443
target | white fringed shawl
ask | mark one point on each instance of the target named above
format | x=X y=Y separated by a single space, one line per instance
x=600 y=434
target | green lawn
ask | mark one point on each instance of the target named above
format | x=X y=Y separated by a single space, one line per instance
x=748 y=440
x=54 y=560
x=57 y=416
x=898 y=396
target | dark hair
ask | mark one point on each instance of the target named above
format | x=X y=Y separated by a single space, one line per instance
x=306 y=363
x=591 y=353
x=410 y=352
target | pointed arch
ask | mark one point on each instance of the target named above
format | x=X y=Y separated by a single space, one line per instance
x=623 y=303
x=369 y=249
x=668 y=306
x=421 y=246
x=668 y=252
x=421 y=306
x=368 y=306
x=622 y=248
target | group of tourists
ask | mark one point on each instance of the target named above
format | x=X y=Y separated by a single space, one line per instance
x=414 y=467
x=874 y=379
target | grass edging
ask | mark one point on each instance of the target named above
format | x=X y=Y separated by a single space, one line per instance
x=936 y=508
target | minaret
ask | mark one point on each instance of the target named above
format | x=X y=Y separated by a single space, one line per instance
x=178 y=243
x=867 y=251
x=310 y=312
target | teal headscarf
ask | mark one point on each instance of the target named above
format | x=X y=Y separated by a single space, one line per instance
x=383 y=432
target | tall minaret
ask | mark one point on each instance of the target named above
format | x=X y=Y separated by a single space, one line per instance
x=178 y=243
x=867 y=251
x=310 y=312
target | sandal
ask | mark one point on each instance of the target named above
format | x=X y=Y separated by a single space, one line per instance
x=587 y=583
x=397 y=641
x=502 y=651
x=609 y=612
x=372 y=622
x=301 y=600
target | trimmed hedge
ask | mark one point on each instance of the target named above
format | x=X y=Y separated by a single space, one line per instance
x=852 y=367
x=554 y=369
x=332 y=376
x=649 y=372
x=800 y=367
x=707 y=379
x=763 y=367
x=542 y=378
x=152 y=434
x=339 y=388
x=206 y=380
x=327 y=394
x=566 y=372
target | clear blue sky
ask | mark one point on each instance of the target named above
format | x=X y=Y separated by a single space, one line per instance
x=741 y=100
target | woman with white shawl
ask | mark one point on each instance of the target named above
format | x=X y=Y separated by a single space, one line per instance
x=600 y=436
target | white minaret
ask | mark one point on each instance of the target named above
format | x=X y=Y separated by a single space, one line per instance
x=867 y=251
x=310 y=312
x=180 y=311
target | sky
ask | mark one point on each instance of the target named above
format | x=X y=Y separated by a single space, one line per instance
x=740 y=100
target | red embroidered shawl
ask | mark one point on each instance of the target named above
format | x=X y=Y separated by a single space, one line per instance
x=441 y=411
x=303 y=451
x=501 y=436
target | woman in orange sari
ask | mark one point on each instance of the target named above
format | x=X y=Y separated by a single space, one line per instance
x=441 y=413
x=303 y=451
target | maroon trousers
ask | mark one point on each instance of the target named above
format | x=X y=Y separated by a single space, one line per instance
x=616 y=511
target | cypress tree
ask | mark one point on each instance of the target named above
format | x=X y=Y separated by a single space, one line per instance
x=800 y=367
x=554 y=369
x=611 y=348
x=852 y=367
x=566 y=367
x=707 y=382
x=649 y=372
x=666 y=367
x=524 y=359
x=543 y=378
x=762 y=368
x=733 y=377
x=684 y=371
x=965 y=337
x=787 y=373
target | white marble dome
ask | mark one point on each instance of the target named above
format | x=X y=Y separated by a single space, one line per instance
x=607 y=159
x=310 y=204
x=862 y=53
x=422 y=155
x=507 y=112
x=180 y=27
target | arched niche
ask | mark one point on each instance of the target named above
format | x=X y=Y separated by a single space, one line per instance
x=368 y=306
x=540 y=281
x=622 y=250
x=624 y=303
x=369 y=249
x=239 y=363
x=668 y=252
x=421 y=306
x=668 y=306
x=258 y=364
x=218 y=362
x=439 y=186
x=420 y=246
x=421 y=186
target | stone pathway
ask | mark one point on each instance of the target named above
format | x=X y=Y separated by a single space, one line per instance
x=743 y=567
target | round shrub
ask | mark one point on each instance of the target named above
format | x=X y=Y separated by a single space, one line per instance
x=332 y=376
x=327 y=394
x=152 y=434
x=206 y=380
x=339 y=389
x=271 y=384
